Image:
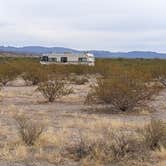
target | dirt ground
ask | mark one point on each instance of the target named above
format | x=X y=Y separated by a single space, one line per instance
x=67 y=115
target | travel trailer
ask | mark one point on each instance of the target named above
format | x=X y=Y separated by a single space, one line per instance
x=68 y=58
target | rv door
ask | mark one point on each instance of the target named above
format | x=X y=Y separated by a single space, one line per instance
x=64 y=59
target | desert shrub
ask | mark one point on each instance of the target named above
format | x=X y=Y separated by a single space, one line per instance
x=79 y=150
x=154 y=134
x=7 y=73
x=159 y=73
x=124 y=93
x=35 y=75
x=29 y=69
x=123 y=145
x=78 y=80
x=113 y=147
x=89 y=149
x=52 y=90
x=29 y=130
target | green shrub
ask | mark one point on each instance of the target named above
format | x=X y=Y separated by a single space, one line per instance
x=52 y=90
x=124 y=93
x=35 y=75
x=7 y=73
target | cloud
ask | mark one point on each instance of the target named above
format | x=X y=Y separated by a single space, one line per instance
x=120 y=25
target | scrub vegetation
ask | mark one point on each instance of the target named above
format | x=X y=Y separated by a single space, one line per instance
x=109 y=114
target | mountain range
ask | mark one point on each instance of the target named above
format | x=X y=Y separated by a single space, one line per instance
x=38 y=50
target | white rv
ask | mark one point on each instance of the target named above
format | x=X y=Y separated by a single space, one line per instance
x=68 y=58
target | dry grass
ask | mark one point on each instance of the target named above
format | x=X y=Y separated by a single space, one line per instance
x=112 y=147
x=50 y=137
x=14 y=152
x=29 y=130
x=91 y=143
x=98 y=123
x=160 y=153
x=52 y=157
x=154 y=134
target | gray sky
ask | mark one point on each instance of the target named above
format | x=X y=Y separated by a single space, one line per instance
x=115 y=25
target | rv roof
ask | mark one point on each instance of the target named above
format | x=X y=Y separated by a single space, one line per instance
x=69 y=54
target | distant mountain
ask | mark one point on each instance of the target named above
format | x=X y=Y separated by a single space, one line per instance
x=38 y=50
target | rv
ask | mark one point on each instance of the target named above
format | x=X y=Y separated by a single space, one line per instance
x=68 y=58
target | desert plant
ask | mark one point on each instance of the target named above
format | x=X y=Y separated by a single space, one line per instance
x=86 y=149
x=7 y=73
x=154 y=134
x=113 y=147
x=35 y=75
x=78 y=80
x=52 y=90
x=124 y=145
x=124 y=93
x=79 y=150
x=29 y=130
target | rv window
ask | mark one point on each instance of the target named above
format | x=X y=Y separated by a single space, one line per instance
x=44 y=58
x=82 y=59
x=63 y=59
x=52 y=59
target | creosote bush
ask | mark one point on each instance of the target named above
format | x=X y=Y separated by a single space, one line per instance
x=154 y=134
x=7 y=73
x=35 y=75
x=52 y=90
x=123 y=92
x=29 y=130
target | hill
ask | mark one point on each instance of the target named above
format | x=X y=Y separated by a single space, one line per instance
x=38 y=50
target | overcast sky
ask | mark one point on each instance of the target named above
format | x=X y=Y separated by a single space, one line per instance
x=115 y=25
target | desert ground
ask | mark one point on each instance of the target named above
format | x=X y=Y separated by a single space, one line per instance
x=66 y=122
x=112 y=114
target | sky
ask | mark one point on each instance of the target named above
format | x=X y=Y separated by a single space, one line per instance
x=114 y=25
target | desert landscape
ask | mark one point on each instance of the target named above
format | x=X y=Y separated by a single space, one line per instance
x=72 y=115
x=82 y=83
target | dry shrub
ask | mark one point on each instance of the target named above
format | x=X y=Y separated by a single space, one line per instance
x=7 y=73
x=35 y=75
x=159 y=73
x=154 y=134
x=79 y=150
x=85 y=149
x=52 y=90
x=124 y=93
x=29 y=130
x=78 y=80
x=113 y=147
x=125 y=146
